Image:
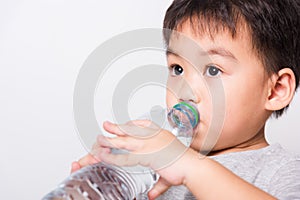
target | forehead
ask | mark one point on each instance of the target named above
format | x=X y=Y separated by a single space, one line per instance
x=190 y=42
x=211 y=25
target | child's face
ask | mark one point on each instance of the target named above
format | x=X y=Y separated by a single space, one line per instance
x=231 y=73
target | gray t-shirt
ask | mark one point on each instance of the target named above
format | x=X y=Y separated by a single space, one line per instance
x=271 y=169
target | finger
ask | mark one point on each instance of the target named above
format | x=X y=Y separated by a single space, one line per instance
x=138 y=128
x=126 y=143
x=119 y=159
x=157 y=158
x=142 y=123
x=95 y=145
x=75 y=166
x=159 y=188
x=130 y=159
x=97 y=154
x=88 y=160
x=113 y=128
x=103 y=142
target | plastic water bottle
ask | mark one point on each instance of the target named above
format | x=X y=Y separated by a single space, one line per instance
x=108 y=182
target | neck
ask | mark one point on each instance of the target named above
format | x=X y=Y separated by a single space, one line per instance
x=258 y=141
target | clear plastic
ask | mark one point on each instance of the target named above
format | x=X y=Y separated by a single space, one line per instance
x=107 y=182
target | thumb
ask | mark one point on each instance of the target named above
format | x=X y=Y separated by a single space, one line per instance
x=75 y=166
x=159 y=188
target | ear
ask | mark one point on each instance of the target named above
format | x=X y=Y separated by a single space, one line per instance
x=281 y=89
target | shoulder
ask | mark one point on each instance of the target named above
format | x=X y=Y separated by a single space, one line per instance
x=285 y=180
x=272 y=169
x=277 y=157
x=281 y=162
x=272 y=158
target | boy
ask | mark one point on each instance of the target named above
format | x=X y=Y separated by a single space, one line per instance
x=254 y=48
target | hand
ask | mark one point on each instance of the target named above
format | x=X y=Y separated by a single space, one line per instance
x=159 y=188
x=84 y=161
x=148 y=145
x=89 y=159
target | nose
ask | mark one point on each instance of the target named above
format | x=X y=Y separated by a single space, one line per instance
x=183 y=89
x=187 y=93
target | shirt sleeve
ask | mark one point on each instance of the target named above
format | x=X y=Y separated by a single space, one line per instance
x=285 y=184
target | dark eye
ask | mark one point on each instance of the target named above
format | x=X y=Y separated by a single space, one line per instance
x=213 y=71
x=176 y=70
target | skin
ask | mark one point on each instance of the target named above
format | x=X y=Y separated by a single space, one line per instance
x=250 y=96
x=239 y=68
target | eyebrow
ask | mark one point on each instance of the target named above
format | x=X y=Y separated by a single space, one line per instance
x=214 y=51
x=221 y=52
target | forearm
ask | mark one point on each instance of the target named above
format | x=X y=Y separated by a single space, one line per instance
x=207 y=179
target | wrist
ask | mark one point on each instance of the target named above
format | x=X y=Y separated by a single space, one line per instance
x=192 y=163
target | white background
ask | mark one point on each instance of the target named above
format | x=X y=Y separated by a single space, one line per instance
x=42 y=47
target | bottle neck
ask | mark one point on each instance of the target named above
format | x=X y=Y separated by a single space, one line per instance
x=190 y=114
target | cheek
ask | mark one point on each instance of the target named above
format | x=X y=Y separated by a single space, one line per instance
x=171 y=99
x=243 y=110
x=244 y=102
x=238 y=106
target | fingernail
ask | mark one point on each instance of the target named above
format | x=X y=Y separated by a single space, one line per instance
x=107 y=123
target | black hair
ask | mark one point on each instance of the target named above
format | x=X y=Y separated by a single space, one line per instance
x=273 y=25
